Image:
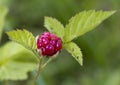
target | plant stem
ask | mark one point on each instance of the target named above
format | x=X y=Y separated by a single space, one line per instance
x=46 y=63
x=37 y=55
x=40 y=67
x=38 y=72
x=50 y=59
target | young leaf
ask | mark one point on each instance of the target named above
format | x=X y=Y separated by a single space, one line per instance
x=3 y=12
x=72 y=48
x=24 y=38
x=16 y=62
x=54 y=26
x=84 y=22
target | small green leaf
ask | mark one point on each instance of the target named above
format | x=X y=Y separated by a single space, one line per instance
x=16 y=61
x=54 y=26
x=24 y=38
x=72 y=48
x=84 y=22
x=3 y=12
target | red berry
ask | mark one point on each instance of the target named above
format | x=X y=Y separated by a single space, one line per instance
x=49 y=50
x=53 y=42
x=58 y=45
x=43 y=51
x=49 y=44
x=45 y=41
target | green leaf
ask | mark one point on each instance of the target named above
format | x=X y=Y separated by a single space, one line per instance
x=73 y=49
x=24 y=38
x=16 y=62
x=3 y=12
x=15 y=70
x=84 y=22
x=54 y=26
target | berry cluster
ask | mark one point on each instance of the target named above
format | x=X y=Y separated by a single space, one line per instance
x=49 y=44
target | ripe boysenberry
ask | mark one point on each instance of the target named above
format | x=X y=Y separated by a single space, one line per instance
x=49 y=44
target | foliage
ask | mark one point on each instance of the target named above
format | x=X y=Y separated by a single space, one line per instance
x=78 y=25
x=75 y=51
x=15 y=62
x=23 y=37
x=54 y=26
x=100 y=47
x=83 y=22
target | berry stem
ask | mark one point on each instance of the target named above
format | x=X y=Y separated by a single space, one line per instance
x=49 y=60
x=46 y=62
x=37 y=55
x=39 y=70
x=40 y=67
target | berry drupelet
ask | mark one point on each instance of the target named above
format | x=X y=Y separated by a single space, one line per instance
x=49 y=44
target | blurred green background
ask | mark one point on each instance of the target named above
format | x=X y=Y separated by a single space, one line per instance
x=100 y=47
